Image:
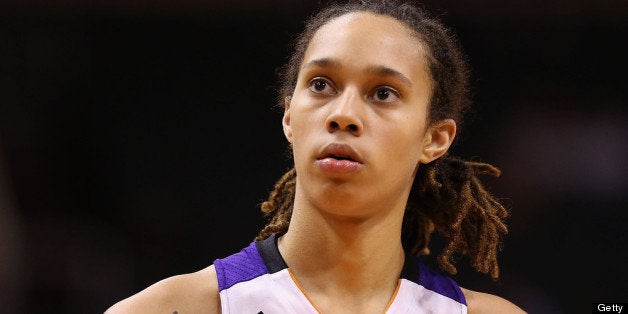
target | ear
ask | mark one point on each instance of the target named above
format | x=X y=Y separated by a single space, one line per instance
x=438 y=138
x=287 y=129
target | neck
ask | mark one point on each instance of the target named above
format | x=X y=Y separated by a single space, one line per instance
x=346 y=257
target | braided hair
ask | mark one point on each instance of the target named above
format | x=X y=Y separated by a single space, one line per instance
x=446 y=197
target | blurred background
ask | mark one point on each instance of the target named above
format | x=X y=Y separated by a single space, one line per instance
x=137 y=139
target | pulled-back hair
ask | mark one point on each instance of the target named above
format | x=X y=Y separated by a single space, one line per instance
x=446 y=196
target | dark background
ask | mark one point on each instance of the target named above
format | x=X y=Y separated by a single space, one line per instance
x=137 y=140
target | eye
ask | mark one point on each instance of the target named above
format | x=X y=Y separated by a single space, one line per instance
x=321 y=86
x=385 y=94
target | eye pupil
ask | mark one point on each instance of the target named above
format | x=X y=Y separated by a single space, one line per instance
x=319 y=85
x=383 y=94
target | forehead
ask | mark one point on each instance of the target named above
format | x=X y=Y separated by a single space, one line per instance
x=365 y=38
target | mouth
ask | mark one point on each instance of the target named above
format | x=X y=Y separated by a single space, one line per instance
x=339 y=151
x=339 y=159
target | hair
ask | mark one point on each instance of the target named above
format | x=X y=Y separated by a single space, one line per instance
x=446 y=196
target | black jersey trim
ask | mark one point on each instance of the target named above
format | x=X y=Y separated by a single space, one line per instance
x=410 y=270
x=269 y=252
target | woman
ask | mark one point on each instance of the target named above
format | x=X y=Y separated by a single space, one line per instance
x=373 y=96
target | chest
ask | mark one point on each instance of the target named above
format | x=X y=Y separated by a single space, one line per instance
x=279 y=293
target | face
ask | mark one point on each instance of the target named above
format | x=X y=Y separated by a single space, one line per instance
x=357 y=117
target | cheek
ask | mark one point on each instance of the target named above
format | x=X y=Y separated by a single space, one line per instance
x=307 y=118
x=301 y=125
x=404 y=148
x=406 y=135
x=407 y=149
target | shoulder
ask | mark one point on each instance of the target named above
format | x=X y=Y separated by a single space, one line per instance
x=189 y=293
x=478 y=302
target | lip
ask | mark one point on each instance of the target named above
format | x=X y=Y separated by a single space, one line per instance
x=342 y=150
x=339 y=158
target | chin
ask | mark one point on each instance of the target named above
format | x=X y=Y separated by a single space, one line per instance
x=344 y=207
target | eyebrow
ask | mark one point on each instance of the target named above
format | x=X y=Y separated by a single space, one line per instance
x=372 y=69
x=386 y=71
x=322 y=63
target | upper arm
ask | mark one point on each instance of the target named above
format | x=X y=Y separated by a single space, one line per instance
x=478 y=302
x=190 y=293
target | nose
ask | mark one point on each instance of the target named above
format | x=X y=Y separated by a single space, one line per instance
x=345 y=114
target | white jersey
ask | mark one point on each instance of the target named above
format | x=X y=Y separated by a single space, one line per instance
x=257 y=280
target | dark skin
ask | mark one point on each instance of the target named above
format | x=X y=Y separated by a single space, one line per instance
x=447 y=196
x=345 y=218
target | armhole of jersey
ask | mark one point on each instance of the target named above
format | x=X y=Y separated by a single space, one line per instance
x=220 y=274
x=242 y=266
x=440 y=283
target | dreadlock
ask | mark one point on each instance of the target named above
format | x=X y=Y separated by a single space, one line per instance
x=446 y=197
x=280 y=203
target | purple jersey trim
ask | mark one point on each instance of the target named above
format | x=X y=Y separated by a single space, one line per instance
x=441 y=284
x=242 y=266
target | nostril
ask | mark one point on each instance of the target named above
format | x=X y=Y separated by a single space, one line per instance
x=349 y=127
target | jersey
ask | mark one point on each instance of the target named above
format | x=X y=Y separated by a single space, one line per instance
x=257 y=280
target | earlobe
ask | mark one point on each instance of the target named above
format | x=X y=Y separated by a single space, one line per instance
x=438 y=138
x=287 y=129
